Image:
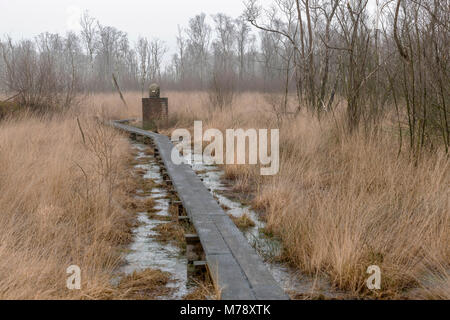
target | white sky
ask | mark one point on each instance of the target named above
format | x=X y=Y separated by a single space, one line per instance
x=150 y=18
x=27 y=18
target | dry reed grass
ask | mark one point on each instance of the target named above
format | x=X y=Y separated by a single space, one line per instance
x=342 y=202
x=204 y=290
x=243 y=222
x=171 y=231
x=147 y=284
x=57 y=195
x=339 y=203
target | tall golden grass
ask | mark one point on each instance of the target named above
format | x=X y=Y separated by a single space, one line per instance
x=56 y=206
x=341 y=202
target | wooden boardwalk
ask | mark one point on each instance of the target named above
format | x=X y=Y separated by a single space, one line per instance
x=234 y=265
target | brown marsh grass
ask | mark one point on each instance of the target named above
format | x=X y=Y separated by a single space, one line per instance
x=57 y=200
x=243 y=222
x=340 y=202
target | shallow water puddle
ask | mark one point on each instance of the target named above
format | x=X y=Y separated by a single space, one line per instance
x=146 y=252
x=293 y=282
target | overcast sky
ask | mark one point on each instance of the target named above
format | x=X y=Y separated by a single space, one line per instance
x=150 y=18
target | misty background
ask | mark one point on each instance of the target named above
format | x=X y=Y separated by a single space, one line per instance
x=22 y=19
x=372 y=56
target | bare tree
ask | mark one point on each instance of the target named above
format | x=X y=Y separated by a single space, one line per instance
x=142 y=49
x=199 y=33
x=225 y=41
x=243 y=40
x=421 y=35
x=319 y=48
x=157 y=51
x=42 y=74
x=355 y=36
x=328 y=12
x=89 y=34
x=181 y=45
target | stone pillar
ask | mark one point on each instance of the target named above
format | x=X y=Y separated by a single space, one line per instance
x=155 y=110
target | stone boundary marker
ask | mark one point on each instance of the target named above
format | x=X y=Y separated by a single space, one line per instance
x=235 y=267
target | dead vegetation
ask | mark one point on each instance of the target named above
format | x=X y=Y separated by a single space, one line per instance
x=63 y=185
x=361 y=103
x=175 y=230
x=146 y=284
x=243 y=222
x=171 y=231
x=204 y=290
x=58 y=195
x=343 y=202
x=339 y=202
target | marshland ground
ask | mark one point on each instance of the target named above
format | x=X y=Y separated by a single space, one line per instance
x=339 y=203
x=358 y=89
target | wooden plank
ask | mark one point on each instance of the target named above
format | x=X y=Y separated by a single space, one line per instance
x=234 y=265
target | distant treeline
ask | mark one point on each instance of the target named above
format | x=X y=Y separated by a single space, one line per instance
x=391 y=57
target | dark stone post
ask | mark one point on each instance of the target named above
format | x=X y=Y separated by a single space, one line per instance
x=155 y=110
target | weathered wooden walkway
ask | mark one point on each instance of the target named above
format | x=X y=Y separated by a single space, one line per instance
x=234 y=265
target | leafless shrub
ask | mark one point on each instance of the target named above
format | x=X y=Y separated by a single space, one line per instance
x=392 y=57
x=222 y=90
x=42 y=73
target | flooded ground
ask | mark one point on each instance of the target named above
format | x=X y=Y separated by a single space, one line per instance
x=293 y=282
x=146 y=251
